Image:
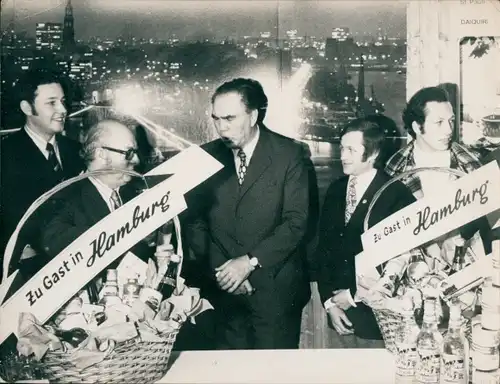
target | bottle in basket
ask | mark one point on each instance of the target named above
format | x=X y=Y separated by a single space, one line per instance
x=169 y=281
x=485 y=356
x=454 y=362
x=429 y=343
x=131 y=291
x=110 y=290
x=459 y=257
x=406 y=345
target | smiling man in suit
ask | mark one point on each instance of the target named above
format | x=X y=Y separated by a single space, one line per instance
x=341 y=225
x=252 y=227
x=34 y=160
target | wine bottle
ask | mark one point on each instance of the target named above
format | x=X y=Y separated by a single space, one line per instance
x=169 y=281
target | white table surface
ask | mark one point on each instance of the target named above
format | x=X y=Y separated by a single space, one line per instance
x=318 y=366
x=346 y=366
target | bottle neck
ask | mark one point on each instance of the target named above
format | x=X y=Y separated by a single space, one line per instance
x=430 y=318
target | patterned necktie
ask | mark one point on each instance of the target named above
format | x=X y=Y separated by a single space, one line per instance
x=54 y=163
x=242 y=170
x=351 y=198
x=115 y=200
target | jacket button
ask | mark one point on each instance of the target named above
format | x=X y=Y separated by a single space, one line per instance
x=341 y=234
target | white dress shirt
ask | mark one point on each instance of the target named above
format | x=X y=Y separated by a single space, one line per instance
x=41 y=143
x=248 y=148
x=432 y=181
x=363 y=181
x=105 y=192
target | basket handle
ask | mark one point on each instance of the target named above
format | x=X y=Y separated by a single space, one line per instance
x=180 y=252
x=9 y=250
x=401 y=176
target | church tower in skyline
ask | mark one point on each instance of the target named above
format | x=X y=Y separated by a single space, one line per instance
x=69 y=29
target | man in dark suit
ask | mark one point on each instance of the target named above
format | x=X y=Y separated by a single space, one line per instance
x=34 y=160
x=341 y=225
x=108 y=144
x=251 y=230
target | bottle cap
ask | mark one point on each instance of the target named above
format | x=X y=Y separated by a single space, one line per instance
x=459 y=241
x=111 y=275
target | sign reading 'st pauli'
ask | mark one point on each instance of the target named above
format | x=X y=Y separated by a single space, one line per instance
x=95 y=249
x=468 y=198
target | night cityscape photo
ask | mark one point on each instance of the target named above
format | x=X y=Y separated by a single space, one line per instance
x=157 y=62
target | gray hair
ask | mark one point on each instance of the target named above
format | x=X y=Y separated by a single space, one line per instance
x=92 y=138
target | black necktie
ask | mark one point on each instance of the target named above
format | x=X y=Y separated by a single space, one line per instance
x=54 y=163
x=242 y=170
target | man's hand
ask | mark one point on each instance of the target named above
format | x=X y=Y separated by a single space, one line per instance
x=244 y=289
x=340 y=321
x=341 y=299
x=233 y=272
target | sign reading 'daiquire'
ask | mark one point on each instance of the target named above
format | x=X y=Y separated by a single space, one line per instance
x=95 y=249
x=468 y=198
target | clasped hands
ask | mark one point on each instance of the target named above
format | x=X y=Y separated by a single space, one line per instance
x=232 y=276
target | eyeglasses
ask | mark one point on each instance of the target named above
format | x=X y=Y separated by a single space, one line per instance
x=129 y=153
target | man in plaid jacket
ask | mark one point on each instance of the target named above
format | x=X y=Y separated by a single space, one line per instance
x=429 y=119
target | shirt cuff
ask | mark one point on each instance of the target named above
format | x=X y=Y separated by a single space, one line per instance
x=350 y=299
x=330 y=303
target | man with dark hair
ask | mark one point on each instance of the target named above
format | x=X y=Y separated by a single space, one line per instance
x=251 y=231
x=35 y=159
x=430 y=120
x=341 y=225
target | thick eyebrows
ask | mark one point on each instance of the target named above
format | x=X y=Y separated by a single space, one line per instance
x=222 y=117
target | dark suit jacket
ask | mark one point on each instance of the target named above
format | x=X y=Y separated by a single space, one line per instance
x=339 y=243
x=266 y=217
x=25 y=176
x=83 y=208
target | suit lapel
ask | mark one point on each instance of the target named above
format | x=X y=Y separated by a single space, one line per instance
x=260 y=161
x=37 y=157
x=94 y=205
x=361 y=210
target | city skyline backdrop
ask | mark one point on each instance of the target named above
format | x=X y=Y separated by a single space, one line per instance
x=206 y=19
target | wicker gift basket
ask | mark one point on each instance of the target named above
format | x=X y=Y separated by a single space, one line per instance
x=389 y=319
x=134 y=360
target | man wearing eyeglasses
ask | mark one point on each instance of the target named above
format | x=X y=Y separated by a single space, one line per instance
x=108 y=144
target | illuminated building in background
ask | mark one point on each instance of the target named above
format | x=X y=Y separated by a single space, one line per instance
x=291 y=34
x=80 y=70
x=69 y=29
x=341 y=34
x=49 y=36
x=265 y=35
x=340 y=48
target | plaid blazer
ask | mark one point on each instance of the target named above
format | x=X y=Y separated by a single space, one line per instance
x=403 y=160
x=461 y=159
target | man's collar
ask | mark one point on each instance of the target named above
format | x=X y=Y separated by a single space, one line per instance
x=39 y=140
x=365 y=176
x=101 y=187
x=249 y=147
